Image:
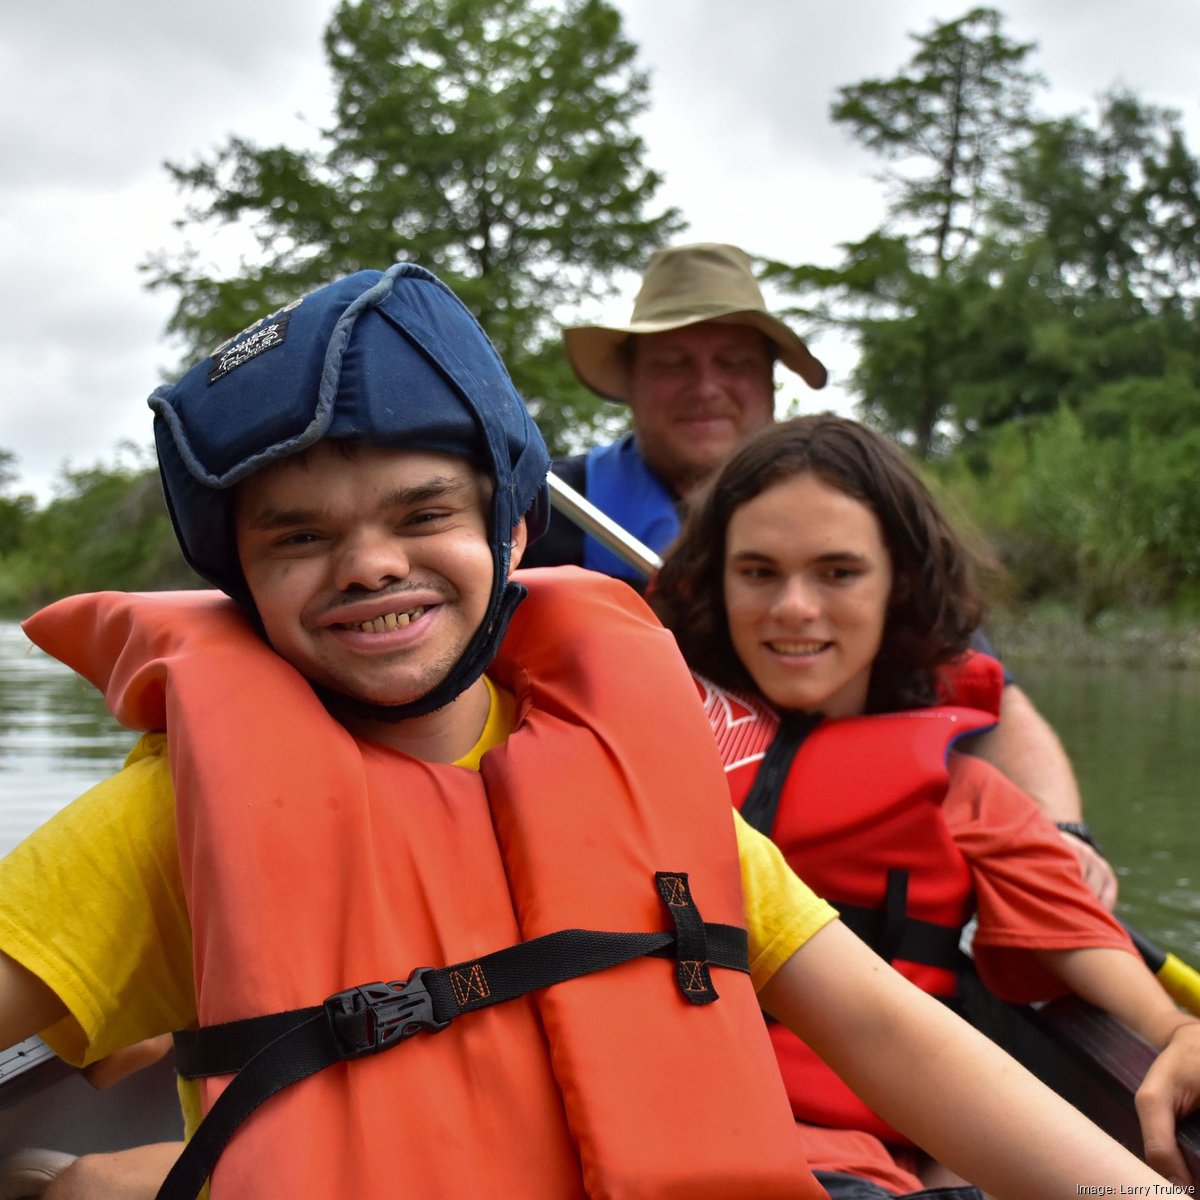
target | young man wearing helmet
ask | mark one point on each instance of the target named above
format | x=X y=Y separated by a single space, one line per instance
x=514 y=895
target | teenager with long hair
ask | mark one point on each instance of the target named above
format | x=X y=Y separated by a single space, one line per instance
x=824 y=603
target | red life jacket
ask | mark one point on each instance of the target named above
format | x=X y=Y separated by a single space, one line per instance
x=313 y=862
x=859 y=819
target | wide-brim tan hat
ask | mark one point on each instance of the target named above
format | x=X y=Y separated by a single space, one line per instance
x=685 y=285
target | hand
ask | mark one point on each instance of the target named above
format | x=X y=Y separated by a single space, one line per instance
x=1094 y=867
x=135 y=1174
x=1170 y=1090
x=27 y=1173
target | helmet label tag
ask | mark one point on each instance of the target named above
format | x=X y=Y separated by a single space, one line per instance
x=258 y=339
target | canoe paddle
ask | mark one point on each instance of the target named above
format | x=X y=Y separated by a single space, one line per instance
x=579 y=510
x=1180 y=981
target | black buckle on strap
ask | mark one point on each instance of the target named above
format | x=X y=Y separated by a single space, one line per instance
x=376 y=1016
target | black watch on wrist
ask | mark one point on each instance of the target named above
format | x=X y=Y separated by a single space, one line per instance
x=1080 y=830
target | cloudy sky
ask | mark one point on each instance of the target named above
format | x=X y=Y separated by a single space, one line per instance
x=97 y=95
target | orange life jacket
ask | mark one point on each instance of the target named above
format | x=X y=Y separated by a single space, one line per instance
x=859 y=819
x=313 y=862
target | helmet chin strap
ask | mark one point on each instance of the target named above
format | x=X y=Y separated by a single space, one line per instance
x=474 y=661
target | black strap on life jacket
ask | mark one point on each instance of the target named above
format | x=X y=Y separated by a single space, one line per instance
x=888 y=930
x=269 y=1053
x=893 y=934
x=762 y=801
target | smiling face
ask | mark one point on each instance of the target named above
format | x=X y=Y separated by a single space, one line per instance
x=807 y=581
x=370 y=568
x=695 y=393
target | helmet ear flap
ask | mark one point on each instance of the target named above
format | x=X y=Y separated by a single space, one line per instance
x=389 y=358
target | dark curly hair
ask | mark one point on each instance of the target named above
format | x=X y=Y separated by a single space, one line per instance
x=934 y=606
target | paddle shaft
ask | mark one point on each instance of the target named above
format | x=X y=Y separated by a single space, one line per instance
x=578 y=509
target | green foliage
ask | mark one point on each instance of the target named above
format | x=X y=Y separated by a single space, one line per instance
x=1024 y=263
x=1026 y=315
x=947 y=119
x=14 y=510
x=1108 y=521
x=1115 y=205
x=489 y=140
x=911 y=289
x=107 y=527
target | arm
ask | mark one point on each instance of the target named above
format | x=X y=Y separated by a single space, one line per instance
x=27 y=1005
x=135 y=1174
x=1041 y=934
x=1026 y=749
x=122 y=1063
x=940 y=1082
x=122 y=961
x=1121 y=985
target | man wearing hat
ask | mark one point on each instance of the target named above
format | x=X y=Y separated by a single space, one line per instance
x=695 y=365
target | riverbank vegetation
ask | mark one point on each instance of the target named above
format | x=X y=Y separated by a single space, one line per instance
x=106 y=527
x=1025 y=312
x=1063 y=584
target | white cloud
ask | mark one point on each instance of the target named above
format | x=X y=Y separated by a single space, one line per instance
x=97 y=96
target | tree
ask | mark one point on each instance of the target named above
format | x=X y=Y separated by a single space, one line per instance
x=1091 y=265
x=106 y=527
x=489 y=140
x=1028 y=309
x=1116 y=204
x=947 y=122
x=14 y=510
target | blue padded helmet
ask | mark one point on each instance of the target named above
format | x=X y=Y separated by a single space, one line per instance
x=388 y=358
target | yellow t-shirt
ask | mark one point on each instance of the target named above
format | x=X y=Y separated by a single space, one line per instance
x=92 y=904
